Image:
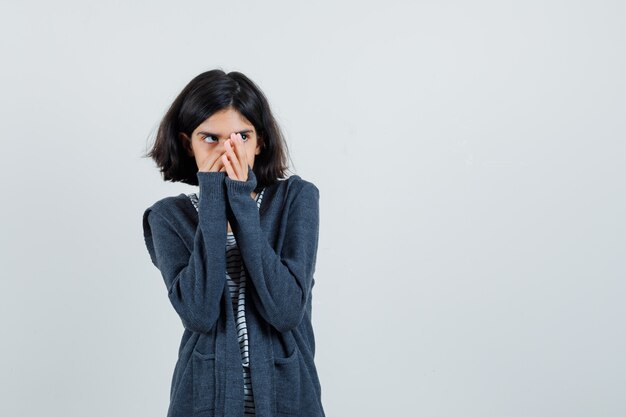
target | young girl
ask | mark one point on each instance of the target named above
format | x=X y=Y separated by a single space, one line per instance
x=238 y=257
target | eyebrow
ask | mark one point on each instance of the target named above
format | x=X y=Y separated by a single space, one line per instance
x=216 y=135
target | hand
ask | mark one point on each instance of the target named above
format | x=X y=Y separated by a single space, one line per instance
x=213 y=163
x=235 y=158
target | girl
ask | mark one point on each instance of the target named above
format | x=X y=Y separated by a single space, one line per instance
x=237 y=257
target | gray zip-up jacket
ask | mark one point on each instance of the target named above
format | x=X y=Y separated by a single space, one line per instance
x=278 y=244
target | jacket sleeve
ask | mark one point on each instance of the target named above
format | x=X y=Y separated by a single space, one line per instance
x=282 y=283
x=195 y=280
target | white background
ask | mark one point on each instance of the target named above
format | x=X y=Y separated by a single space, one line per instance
x=470 y=157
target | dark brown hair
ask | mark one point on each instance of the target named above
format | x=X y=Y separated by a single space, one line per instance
x=206 y=94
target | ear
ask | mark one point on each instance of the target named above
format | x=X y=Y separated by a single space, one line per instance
x=259 y=146
x=186 y=143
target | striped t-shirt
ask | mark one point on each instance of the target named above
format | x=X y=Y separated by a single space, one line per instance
x=236 y=278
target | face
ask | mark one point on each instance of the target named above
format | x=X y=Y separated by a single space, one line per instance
x=209 y=137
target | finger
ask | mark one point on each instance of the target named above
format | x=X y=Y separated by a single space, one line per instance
x=217 y=163
x=240 y=149
x=210 y=163
x=233 y=159
x=229 y=168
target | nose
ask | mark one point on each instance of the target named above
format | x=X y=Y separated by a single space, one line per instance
x=220 y=144
x=223 y=140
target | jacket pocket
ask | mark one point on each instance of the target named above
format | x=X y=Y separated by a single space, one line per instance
x=203 y=368
x=287 y=383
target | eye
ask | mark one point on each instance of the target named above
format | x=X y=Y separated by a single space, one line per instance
x=244 y=136
x=204 y=139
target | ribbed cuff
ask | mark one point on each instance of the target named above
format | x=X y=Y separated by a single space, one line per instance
x=211 y=185
x=236 y=186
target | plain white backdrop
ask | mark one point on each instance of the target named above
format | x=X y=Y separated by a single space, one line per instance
x=470 y=158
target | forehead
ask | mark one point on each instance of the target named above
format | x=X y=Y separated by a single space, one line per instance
x=225 y=121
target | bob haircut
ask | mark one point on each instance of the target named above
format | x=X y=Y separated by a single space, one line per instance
x=206 y=94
